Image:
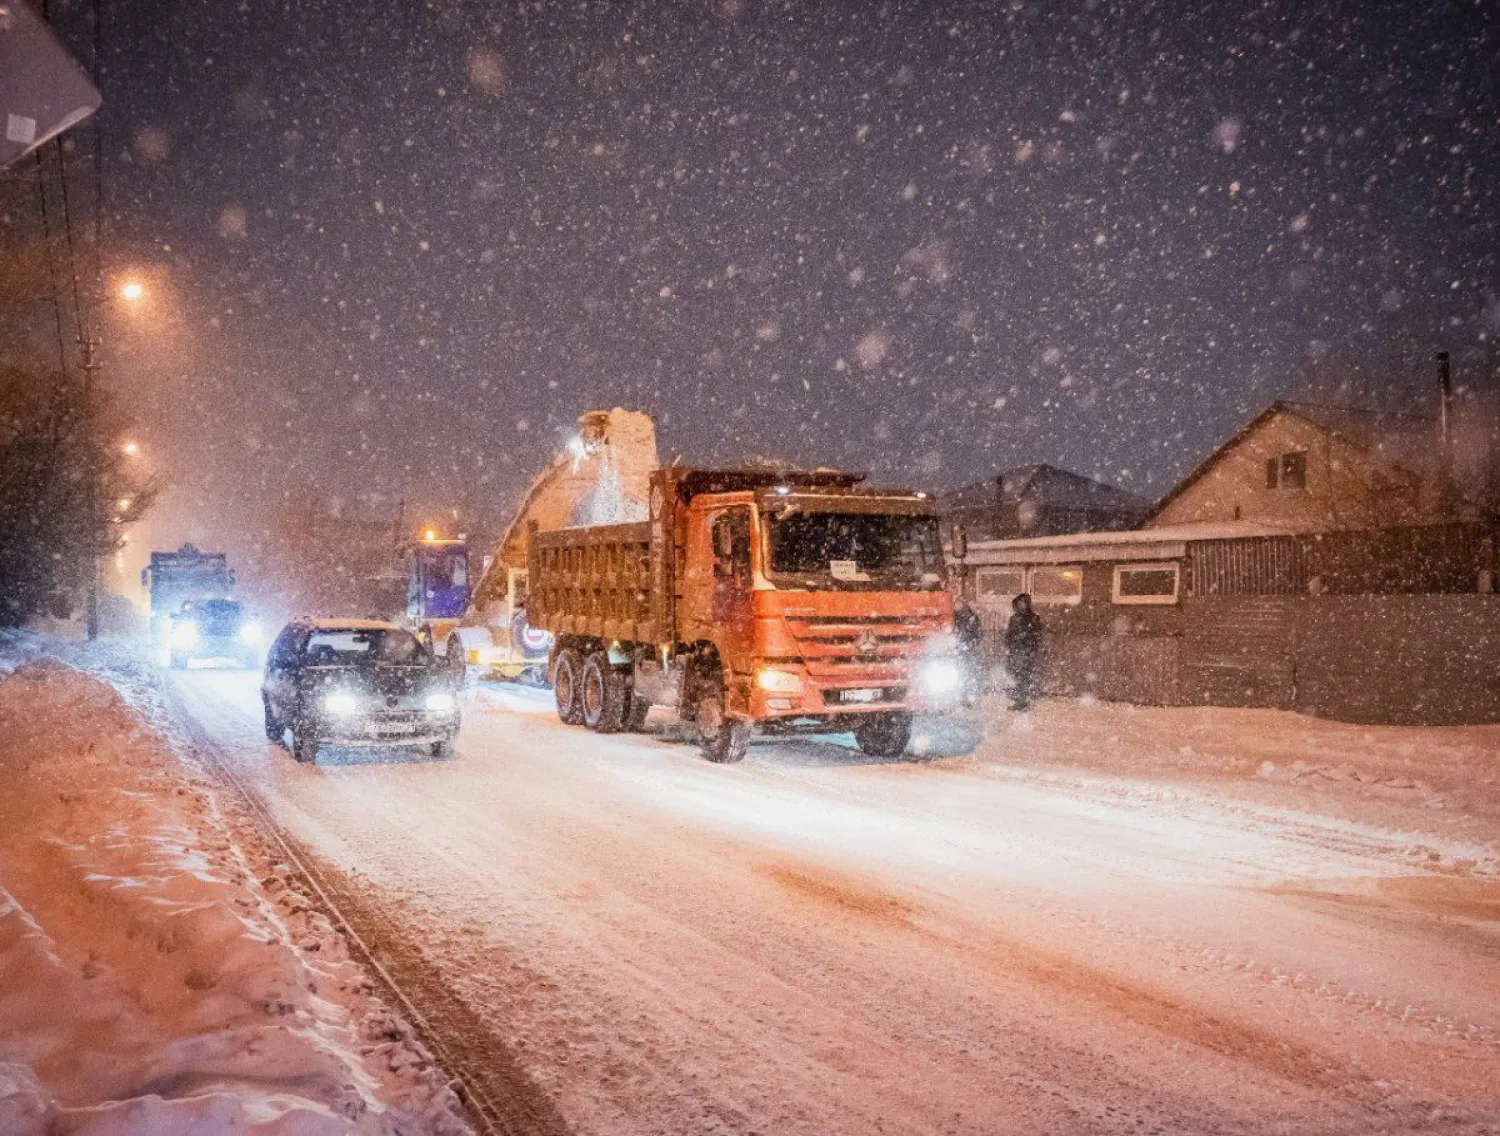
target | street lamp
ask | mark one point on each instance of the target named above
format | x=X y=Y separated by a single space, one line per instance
x=131 y=292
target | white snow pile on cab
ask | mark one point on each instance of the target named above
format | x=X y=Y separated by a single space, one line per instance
x=148 y=982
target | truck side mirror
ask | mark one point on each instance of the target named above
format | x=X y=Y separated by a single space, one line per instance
x=960 y=542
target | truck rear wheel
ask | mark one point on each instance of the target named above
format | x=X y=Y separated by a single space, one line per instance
x=635 y=718
x=604 y=695
x=883 y=735
x=567 y=674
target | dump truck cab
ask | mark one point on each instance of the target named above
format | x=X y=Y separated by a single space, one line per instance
x=819 y=600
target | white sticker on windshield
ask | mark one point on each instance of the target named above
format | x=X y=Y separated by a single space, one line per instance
x=846 y=570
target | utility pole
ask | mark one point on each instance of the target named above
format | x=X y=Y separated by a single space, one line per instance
x=88 y=345
x=1445 y=432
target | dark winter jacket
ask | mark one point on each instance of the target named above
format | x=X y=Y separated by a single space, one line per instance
x=1023 y=636
x=968 y=630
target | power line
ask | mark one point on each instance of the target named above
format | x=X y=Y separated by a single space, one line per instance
x=41 y=189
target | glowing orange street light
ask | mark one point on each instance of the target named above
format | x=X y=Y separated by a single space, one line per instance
x=132 y=290
x=131 y=449
x=430 y=534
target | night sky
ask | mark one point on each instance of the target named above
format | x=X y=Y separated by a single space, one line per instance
x=399 y=247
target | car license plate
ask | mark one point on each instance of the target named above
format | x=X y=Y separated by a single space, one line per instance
x=391 y=729
x=862 y=695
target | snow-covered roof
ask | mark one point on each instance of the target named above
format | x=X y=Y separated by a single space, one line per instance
x=1165 y=543
x=1043 y=484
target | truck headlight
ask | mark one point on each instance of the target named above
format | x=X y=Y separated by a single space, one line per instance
x=779 y=682
x=184 y=633
x=340 y=703
x=440 y=703
x=940 y=677
x=250 y=633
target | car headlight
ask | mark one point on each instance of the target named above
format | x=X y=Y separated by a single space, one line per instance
x=440 y=702
x=184 y=633
x=940 y=676
x=340 y=703
x=779 y=682
x=250 y=633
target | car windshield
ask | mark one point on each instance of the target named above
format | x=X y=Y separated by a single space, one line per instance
x=857 y=548
x=393 y=647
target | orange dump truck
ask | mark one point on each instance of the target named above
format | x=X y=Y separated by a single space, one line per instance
x=752 y=599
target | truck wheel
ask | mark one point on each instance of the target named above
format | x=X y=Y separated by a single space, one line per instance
x=567 y=674
x=274 y=731
x=304 y=747
x=721 y=739
x=604 y=695
x=883 y=735
x=635 y=718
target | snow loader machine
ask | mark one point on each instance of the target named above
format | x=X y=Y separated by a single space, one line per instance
x=752 y=600
x=602 y=476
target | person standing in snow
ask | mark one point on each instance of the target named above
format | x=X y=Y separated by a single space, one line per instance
x=1023 y=645
x=970 y=634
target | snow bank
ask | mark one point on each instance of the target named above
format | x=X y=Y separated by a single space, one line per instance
x=149 y=981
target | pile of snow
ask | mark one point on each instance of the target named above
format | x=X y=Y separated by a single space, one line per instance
x=149 y=981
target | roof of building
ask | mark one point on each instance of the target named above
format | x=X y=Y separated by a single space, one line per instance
x=1043 y=484
x=1404 y=441
x=1164 y=543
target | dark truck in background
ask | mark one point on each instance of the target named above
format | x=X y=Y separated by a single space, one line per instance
x=789 y=602
x=176 y=578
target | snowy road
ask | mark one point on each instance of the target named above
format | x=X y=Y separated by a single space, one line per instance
x=812 y=943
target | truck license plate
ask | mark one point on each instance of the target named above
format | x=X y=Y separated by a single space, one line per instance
x=863 y=695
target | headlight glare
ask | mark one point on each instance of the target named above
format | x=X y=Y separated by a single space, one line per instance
x=440 y=702
x=250 y=633
x=779 y=682
x=184 y=633
x=940 y=676
x=340 y=703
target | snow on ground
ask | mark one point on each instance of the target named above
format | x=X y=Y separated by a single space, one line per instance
x=1443 y=780
x=1062 y=932
x=158 y=973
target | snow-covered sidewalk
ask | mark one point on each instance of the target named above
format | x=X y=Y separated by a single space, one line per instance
x=159 y=972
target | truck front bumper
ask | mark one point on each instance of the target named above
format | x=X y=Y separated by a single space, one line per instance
x=929 y=685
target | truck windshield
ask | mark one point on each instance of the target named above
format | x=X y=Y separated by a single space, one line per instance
x=857 y=548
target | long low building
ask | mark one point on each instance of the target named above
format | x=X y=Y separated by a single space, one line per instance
x=1378 y=624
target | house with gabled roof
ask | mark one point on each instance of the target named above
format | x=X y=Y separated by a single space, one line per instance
x=1305 y=467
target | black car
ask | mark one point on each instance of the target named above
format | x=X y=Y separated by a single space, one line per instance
x=357 y=683
x=214 y=629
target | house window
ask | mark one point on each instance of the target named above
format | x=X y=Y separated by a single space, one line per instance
x=1060 y=585
x=1146 y=583
x=996 y=587
x=1287 y=471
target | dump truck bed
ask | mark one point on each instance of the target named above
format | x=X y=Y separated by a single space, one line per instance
x=593 y=582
